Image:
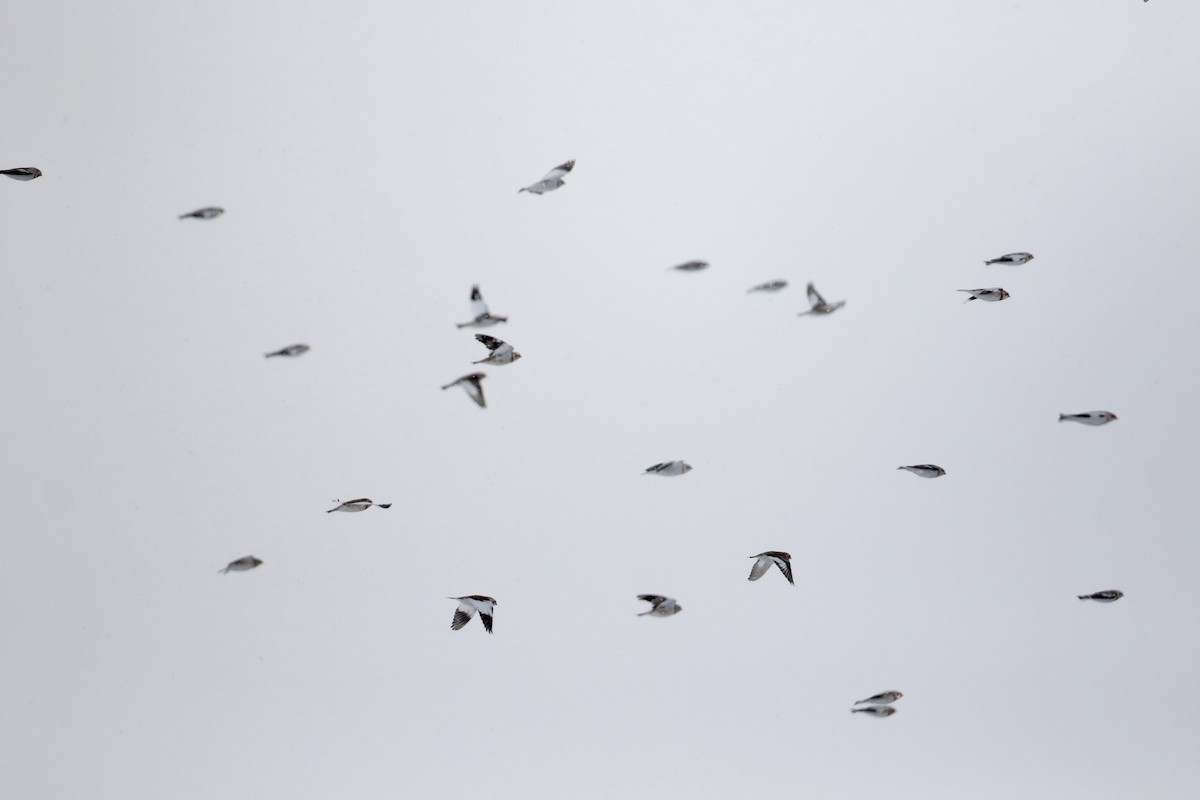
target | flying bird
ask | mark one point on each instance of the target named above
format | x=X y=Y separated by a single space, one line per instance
x=769 y=286
x=22 y=173
x=291 y=351
x=471 y=384
x=502 y=352
x=925 y=470
x=211 y=212
x=660 y=606
x=989 y=295
x=875 y=711
x=481 y=317
x=691 y=266
x=361 y=504
x=242 y=564
x=552 y=180
x=467 y=606
x=1107 y=596
x=1015 y=259
x=1089 y=417
x=882 y=698
x=769 y=558
x=819 y=306
x=668 y=468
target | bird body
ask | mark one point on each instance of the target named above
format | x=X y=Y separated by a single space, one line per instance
x=242 y=564
x=882 y=698
x=669 y=468
x=553 y=179
x=772 y=558
x=471 y=384
x=925 y=470
x=992 y=295
x=480 y=316
x=769 y=286
x=22 y=173
x=1013 y=259
x=361 y=504
x=691 y=266
x=468 y=606
x=210 y=212
x=875 y=711
x=1107 y=596
x=660 y=606
x=819 y=306
x=501 y=352
x=291 y=351
x=1089 y=417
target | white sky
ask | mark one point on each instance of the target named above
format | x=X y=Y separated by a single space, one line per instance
x=369 y=157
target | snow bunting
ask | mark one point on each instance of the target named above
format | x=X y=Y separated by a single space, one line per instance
x=471 y=384
x=1089 y=417
x=925 y=470
x=242 y=564
x=1107 y=596
x=769 y=558
x=502 y=352
x=769 y=286
x=691 y=266
x=669 y=468
x=210 y=212
x=467 y=606
x=361 y=504
x=660 y=606
x=482 y=318
x=1015 y=259
x=819 y=306
x=290 y=351
x=989 y=295
x=22 y=173
x=552 y=180
x=882 y=698
x=875 y=711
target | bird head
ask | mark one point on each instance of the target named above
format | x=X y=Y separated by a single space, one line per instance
x=1004 y=295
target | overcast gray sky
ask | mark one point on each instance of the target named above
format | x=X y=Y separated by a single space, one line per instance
x=369 y=156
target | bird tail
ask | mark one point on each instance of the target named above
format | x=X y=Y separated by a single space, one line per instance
x=384 y=505
x=1082 y=596
x=330 y=511
x=1061 y=417
x=222 y=571
x=461 y=325
x=184 y=216
x=447 y=386
x=269 y=355
x=522 y=190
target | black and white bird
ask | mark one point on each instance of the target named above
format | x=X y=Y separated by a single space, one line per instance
x=467 y=606
x=875 y=711
x=291 y=351
x=1014 y=259
x=242 y=564
x=502 y=352
x=22 y=173
x=482 y=318
x=819 y=306
x=769 y=286
x=772 y=558
x=360 y=504
x=1089 y=417
x=882 y=698
x=925 y=470
x=992 y=295
x=660 y=606
x=553 y=179
x=471 y=384
x=210 y=212
x=691 y=266
x=669 y=468
x=1107 y=596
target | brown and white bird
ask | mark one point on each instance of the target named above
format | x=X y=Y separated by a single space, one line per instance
x=669 y=468
x=875 y=711
x=467 y=606
x=1014 y=259
x=481 y=317
x=291 y=351
x=242 y=564
x=1089 y=417
x=769 y=286
x=1107 y=596
x=471 y=384
x=819 y=306
x=552 y=180
x=882 y=698
x=992 y=295
x=925 y=470
x=22 y=173
x=772 y=558
x=660 y=606
x=210 y=212
x=360 y=504
x=691 y=266
x=502 y=352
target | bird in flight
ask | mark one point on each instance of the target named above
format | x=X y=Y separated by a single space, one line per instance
x=242 y=564
x=502 y=352
x=361 y=504
x=211 y=212
x=467 y=606
x=772 y=558
x=660 y=606
x=1014 y=259
x=553 y=179
x=1107 y=596
x=669 y=468
x=769 y=286
x=691 y=266
x=1089 y=417
x=22 y=173
x=875 y=711
x=819 y=306
x=882 y=698
x=925 y=470
x=291 y=351
x=481 y=317
x=471 y=384
x=987 y=295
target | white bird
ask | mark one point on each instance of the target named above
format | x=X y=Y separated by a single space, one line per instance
x=502 y=352
x=22 y=173
x=467 y=606
x=211 y=212
x=882 y=698
x=552 y=180
x=242 y=564
x=875 y=711
x=660 y=606
x=691 y=266
x=1107 y=596
x=481 y=317
x=1089 y=417
x=470 y=383
x=669 y=468
x=988 y=295
x=1015 y=259
x=819 y=306
x=361 y=504
x=772 y=558
x=925 y=470
x=291 y=351
x=769 y=286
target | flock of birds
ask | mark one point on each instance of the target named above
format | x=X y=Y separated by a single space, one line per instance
x=501 y=353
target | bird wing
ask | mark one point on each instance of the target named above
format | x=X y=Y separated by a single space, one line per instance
x=658 y=467
x=474 y=390
x=814 y=297
x=560 y=171
x=785 y=566
x=478 y=307
x=487 y=620
x=655 y=600
x=760 y=568
x=492 y=343
x=462 y=615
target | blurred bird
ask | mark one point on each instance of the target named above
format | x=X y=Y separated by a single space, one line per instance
x=925 y=470
x=22 y=173
x=875 y=711
x=1015 y=259
x=552 y=180
x=290 y=351
x=479 y=310
x=242 y=564
x=502 y=352
x=988 y=295
x=471 y=384
x=769 y=558
x=1108 y=596
x=361 y=504
x=1089 y=417
x=668 y=468
x=691 y=266
x=769 y=286
x=660 y=606
x=467 y=606
x=819 y=306
x=211 y=212
x=882 y=698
